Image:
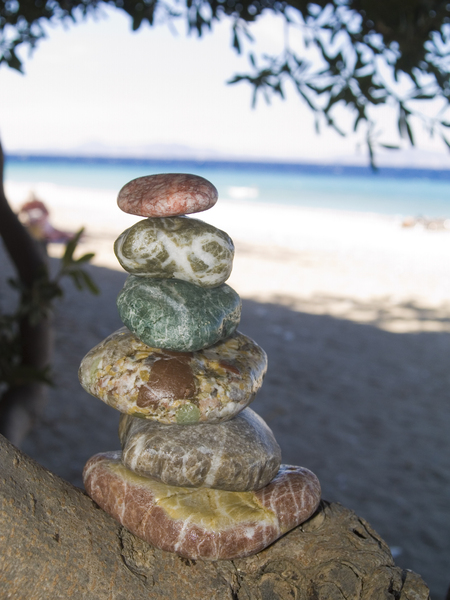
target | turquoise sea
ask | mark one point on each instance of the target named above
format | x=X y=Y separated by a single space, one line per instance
x=388 y=191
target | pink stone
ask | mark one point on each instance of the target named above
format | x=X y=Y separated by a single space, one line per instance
x=201 y=522
x=167 y=195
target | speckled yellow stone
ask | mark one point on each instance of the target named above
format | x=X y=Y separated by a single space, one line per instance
x=207 y=386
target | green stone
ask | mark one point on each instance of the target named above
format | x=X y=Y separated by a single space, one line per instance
x=178 y=315
x=188 y=414
x=176 y=248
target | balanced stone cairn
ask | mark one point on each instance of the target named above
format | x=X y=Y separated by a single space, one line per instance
x=199 y=473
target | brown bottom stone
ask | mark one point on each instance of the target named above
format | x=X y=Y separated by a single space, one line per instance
x=202 y=523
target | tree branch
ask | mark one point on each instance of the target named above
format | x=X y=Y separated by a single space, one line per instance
x=56 y=543
x=20 y=405
x=25 y=253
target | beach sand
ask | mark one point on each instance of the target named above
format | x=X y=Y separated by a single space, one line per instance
x=354 y=313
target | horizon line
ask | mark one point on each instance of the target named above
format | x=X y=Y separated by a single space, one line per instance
x=284 y=164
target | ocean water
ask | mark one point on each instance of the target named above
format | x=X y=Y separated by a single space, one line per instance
x=405 y=192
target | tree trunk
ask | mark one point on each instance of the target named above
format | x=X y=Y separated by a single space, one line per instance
x=56 y=543
x=21 y=405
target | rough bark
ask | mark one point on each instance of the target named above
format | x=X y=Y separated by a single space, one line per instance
x=22 y=404
x=56 y=543
x=23 y=250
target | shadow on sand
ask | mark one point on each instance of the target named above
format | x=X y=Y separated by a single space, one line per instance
x=366 y=409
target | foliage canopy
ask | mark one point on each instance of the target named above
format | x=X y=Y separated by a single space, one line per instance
x=356 y=53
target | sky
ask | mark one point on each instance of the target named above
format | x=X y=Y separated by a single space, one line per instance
x=98 y=84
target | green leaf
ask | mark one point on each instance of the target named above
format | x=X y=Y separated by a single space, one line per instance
x=402 y=122
x=333 y=100
x=306 y=98
x=88 y=281
x=409 y=131
x=316 y=123
x=85 y=258
x=71 y=247
x=137 y=20
x=361 y=117
x=446 y=141
x=423 y=96
x=13 y=62
x=236 y=44
x=277 y=88
x=320 y=89
x=237 y=79
x=371 y=156
x=76 y=278
x=254 y=98
x=83 y=280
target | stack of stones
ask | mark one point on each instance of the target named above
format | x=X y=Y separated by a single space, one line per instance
x=199 y=473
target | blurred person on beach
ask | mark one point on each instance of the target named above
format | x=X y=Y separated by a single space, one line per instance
x=34 y=215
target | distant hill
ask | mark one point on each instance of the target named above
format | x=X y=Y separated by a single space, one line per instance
x=160 y=151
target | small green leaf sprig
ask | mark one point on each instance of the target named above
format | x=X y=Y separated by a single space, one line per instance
x=35 y=304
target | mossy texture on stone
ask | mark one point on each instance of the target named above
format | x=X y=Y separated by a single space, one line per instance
x=176 y=248
x=177 y=315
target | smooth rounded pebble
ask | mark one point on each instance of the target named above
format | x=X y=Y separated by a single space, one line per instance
x=177 y=315
x=176 y=248
x=208 y=386
x=202 y=523
x=167 y=195
x=238 y=455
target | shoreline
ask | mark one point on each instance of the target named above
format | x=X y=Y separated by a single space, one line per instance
x=99 y=198
x=323 y=261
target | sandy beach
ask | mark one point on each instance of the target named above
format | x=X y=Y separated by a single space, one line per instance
x=353 y=311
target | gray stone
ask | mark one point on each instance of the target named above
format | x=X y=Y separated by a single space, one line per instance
x=177 y=315
x=238 y=455
x=176 y=248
